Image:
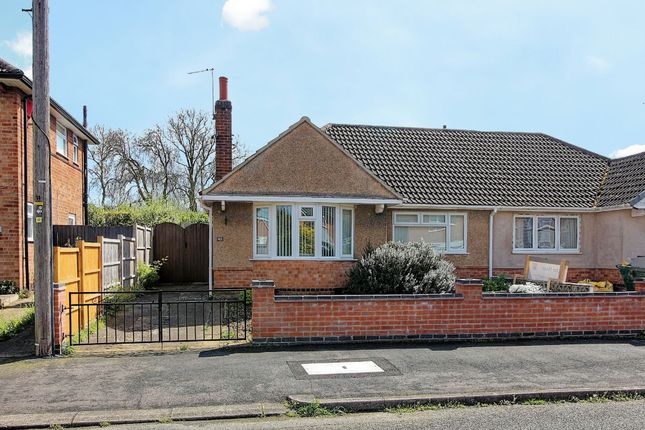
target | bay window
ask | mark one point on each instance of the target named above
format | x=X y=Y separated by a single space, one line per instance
x=446 y=232
x=542 y=233
x=296 y=231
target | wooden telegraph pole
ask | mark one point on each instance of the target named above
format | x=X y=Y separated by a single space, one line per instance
x=42 y=191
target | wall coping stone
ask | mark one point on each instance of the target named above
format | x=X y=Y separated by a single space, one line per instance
x=469 y=281
x=262 y=283
x=493 y=295
x=366 y=297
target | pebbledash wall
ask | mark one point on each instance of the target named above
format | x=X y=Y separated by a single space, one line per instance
x=67 y=184
x=466 y=314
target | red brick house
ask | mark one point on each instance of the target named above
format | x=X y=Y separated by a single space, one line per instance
x=302 y=208
x=69 y=140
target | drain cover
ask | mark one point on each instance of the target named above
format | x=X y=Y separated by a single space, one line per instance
x=342 y=368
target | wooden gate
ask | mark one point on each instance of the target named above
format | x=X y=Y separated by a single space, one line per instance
x=185 y=250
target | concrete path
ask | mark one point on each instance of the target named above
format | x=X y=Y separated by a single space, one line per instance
x=249 y=375
x=577 y=416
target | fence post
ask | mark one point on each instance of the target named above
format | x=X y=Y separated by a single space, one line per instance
x=99 y=239
x=81 y=272
x=121 y=260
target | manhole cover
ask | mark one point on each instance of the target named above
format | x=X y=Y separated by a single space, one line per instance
x=342 y=368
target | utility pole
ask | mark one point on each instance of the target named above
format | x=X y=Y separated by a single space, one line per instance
x=42 y=191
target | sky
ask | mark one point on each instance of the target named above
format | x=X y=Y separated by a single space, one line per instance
x=571 y=69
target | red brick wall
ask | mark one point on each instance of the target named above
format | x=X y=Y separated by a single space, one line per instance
x=67 y=184
x=473 y=315
x=10 y=190
x=286 y=274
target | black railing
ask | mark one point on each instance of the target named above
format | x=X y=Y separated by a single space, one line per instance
x=122 y=317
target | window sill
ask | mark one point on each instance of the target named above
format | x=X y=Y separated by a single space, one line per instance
x=547 y=251
x=303 y=259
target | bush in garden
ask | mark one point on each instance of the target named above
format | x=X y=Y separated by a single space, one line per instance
x=497 y=283
x=8 y=287
x=148 y=274
x=401 y=268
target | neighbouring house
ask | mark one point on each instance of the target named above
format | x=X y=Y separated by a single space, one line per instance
x=69 y=140
x=301 y=210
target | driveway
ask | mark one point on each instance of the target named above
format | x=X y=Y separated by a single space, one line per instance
x=248 y=375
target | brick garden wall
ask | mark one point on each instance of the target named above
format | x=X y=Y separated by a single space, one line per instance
x=467 y=314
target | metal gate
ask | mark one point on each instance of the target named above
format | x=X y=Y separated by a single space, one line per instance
x=121 y=317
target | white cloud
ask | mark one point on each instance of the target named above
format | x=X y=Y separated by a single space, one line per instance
x=247 y=15
x=599 y=64
x=629 y=150
x=21 y=45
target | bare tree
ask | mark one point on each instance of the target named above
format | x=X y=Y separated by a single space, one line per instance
x=190 y=133
x=104 y=178
x=171 y=161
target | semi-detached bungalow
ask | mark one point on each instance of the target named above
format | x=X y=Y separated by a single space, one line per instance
x=302 y=208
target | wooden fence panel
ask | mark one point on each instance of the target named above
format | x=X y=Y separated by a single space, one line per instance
x=67 y=235
x=90 y=270
x=112 y=264
x=129 y=261
x=144 y=243
x=67 y=272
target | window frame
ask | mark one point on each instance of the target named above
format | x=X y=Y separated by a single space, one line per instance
x=558 y=249
x=447 y=224
x=295 y=231
x=30 y=221
x=71 y=217
x=60 y=131
x=75 y=149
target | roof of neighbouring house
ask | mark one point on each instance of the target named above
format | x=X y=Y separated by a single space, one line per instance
x=10 y=73
x=490 y=168
x=625 y=180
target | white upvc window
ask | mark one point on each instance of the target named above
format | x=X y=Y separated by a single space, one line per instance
x=30 y=222
x=446 y=232
x=75 y=149
x=303 y=231
x=546 y=234
x=71 y=219
x=61 y=139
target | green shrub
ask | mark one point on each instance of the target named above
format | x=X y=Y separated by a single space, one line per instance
x=149 y=213
x=148 y=274
x=401 y=268
x=8 y=287
x=497 y=283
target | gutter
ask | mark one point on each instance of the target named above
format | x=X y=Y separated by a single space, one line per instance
x=490 y=242
x=25 y=172
x=510 y=208
x=210 y=251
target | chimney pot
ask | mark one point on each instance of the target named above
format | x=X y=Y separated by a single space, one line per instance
x=85 y=116
x=223 y=88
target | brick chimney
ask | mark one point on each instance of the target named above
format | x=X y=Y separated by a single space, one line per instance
x=223 y=131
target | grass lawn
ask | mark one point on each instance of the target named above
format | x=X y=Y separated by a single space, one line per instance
x=13 y=321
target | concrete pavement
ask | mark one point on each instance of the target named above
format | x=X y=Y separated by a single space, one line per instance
x=573 y=416
x=246 y=375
